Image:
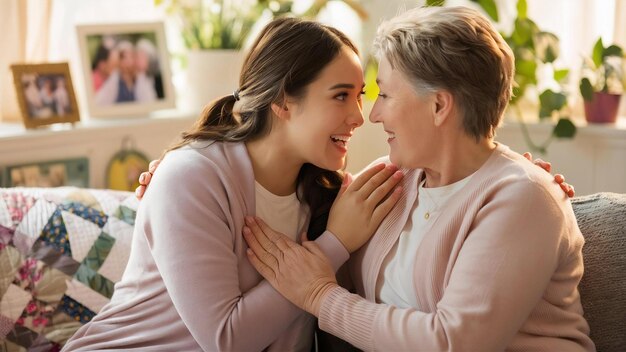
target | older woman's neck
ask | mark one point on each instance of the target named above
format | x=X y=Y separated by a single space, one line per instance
x=458 y=158
x=272 y=165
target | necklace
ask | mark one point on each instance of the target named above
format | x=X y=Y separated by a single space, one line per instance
x=427 y=213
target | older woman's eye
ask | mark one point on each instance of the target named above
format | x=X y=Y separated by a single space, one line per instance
x=382 y=95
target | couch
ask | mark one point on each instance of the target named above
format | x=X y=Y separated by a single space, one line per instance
x=63 y=249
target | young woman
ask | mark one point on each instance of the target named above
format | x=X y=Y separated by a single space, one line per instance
x=482 y=252
x=269 y=149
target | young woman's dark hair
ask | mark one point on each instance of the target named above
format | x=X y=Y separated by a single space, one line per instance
x=102 y=54
x=286 y=57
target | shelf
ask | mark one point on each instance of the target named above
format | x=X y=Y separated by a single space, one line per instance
x=617 y=130
x=15 y=131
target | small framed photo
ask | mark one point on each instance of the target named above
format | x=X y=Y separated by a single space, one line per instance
x=126 y=69
x=57 y=173
x=45 y=93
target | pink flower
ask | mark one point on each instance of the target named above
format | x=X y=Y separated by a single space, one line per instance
x=31 y=263
x=31 y=307
x=44 y=321
x=20 y=321
x=40 y=321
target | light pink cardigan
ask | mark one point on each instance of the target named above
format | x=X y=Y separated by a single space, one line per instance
x=497 y=270
x=188 y=285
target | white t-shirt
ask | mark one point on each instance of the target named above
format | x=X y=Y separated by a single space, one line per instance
x=395 y=281
x=284 y=214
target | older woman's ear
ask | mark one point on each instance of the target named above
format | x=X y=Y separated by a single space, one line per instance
x=443 y=106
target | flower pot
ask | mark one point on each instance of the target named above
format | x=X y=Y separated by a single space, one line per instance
x=603 y=108
x=211 y=74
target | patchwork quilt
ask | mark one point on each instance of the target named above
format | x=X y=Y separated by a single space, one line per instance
x=61 y=252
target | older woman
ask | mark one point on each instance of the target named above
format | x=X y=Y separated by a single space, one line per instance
x=482 y=252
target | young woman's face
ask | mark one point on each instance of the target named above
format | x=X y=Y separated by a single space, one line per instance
x=406 y=117
x=321 y=123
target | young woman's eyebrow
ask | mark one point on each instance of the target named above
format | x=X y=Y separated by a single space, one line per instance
x=344 y=85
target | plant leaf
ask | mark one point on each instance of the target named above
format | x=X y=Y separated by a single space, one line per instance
x=522 y=9
x=544 y=112
x=564 y=128
x=613 y=50
x=435 y=2
x=559 y=75
x=526 y=69
x=371 y=88
x=524 y=31
x=598 y=51
x=490 y=8
x=586 y=90
x=549 y=102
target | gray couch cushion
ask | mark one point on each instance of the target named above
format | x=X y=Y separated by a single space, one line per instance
x=602 y=220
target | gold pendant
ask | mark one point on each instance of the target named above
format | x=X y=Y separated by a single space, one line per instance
x=427 y=215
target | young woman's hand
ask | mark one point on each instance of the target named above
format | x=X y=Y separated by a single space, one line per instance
x=301 y=273
x=362 y=204
x=560 y=179
x=145 y=177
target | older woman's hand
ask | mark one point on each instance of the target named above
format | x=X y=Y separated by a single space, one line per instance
x=560 y=179
x=301 y=273
x=363 y=204
x=145 y=178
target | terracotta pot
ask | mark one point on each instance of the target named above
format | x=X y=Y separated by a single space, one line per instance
x=603 y=108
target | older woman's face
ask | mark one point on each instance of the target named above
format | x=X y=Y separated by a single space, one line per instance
x=406 y=117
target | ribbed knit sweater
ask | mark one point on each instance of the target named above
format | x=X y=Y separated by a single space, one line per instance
x=497 y=270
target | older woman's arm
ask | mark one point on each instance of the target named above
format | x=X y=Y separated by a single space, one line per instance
x=501 y=273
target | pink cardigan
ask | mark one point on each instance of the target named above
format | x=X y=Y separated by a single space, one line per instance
x=188 y=285
x=497 y=270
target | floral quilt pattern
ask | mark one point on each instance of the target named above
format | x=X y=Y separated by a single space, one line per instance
x=54 y=245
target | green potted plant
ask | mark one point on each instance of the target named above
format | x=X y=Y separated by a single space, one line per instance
x=215 y=31
x=602 y=83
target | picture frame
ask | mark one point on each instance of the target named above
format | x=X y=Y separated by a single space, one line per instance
x=54 y=173
x=45 y=93
x=126 y=69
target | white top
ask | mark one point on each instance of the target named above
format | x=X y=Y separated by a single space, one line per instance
x=284 y=214
x=395 y=280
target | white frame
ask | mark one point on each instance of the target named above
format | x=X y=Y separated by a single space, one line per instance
x=130 y=109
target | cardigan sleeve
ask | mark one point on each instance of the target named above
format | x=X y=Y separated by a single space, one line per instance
x=502 y=271
x=188 y=226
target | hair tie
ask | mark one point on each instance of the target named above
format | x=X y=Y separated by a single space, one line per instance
x=236 y=94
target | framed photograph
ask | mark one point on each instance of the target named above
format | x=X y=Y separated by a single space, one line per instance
x=45 y=94
x=126 y=69
x=57 y=173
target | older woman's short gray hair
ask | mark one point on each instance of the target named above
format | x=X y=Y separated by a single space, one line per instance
x=456 y=49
